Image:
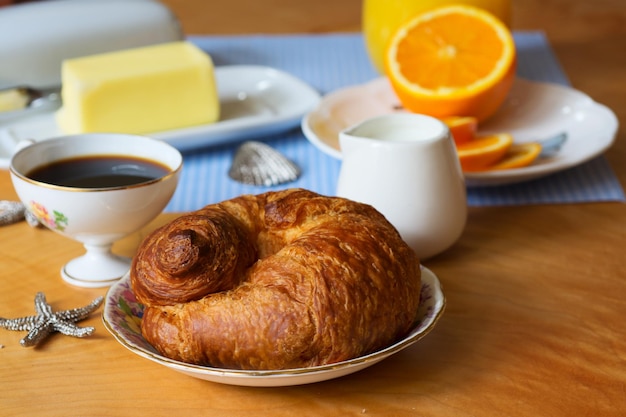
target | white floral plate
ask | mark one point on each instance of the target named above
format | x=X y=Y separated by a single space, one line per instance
x=255 y=101
x=122 y=317
x=533 y=111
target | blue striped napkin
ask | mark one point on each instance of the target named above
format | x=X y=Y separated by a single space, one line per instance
x=329 y=62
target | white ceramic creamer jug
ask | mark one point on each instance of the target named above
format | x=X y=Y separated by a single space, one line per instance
x=406 y=166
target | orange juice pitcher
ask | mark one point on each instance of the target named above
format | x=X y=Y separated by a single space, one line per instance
x=381 y=18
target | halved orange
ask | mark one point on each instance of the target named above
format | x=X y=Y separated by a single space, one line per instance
x=463 y=129
x=452 y=61
x=484 y=151
x=518 y=156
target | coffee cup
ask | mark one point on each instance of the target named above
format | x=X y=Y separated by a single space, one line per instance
x=96 y=188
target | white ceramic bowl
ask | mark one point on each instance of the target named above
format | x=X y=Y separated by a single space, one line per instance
x=97 y=217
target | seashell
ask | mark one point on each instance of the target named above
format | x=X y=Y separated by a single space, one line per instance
x=259 y=164
x=11 y=212
x=14 y=211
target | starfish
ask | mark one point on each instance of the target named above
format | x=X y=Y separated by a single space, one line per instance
x=46 y=322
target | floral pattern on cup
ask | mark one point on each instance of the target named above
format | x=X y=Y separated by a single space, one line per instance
x=55 y=220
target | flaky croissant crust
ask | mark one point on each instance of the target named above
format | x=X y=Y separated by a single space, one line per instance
x=280 y=280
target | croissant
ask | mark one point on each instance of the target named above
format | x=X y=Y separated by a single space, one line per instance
x=280 y=280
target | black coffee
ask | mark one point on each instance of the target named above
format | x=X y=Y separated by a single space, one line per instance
x=99 y=172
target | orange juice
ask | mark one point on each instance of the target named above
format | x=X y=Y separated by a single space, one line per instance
x=381 y=18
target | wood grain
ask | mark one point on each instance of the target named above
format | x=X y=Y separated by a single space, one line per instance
x=535 y=319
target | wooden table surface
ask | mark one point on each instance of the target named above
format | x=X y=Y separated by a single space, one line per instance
x=536 y=319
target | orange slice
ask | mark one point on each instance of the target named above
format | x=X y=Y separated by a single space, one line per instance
x=463 y=129
x=484 y=151
x=452 y=61
x=518 y=156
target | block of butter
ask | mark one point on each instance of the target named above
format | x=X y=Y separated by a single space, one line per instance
x=138 y=90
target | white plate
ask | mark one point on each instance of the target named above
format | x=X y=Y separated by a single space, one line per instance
x=532 y=111
x=255 y=101
x=122 y=317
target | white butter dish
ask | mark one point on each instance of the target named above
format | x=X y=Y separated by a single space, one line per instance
x=36 y=37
